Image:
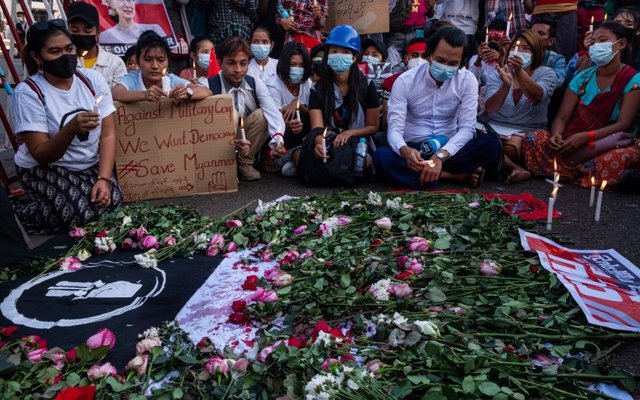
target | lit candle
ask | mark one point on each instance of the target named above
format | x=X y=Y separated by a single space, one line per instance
x=324 y=145
x=166 y=82
x=592 y=198
x=605 y=16
x=591 y=25
x=599 y=202
x=242 y=134
x=298 y=110
x=82 y=55
x=515 y=51
x=509 y=24
x=486 y=36
x=556 y=174
x=195 y=75
x=552 y=201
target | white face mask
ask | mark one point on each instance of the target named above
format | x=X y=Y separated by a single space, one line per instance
x=525 y=57
x=416 y=62
x=371 y=60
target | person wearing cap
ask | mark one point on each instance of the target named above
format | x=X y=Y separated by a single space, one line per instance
x=374 y=62
x=438 y=99
x=83 y=22
x=412 y=26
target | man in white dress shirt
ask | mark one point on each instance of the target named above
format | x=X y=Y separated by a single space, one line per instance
x=432 y=117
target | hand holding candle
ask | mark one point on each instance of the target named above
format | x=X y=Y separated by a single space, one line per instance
x=166 y=82
x=592 y=198
x=591 y=25
x=298 y=110
x=515 y=52
x=324 y=145
x=242 y=133
x=599 y=202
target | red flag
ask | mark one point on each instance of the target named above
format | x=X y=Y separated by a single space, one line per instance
x=214 y=68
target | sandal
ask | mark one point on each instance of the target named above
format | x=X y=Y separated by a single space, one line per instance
x=629 y=181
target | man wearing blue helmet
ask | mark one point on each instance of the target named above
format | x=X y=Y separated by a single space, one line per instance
x=436 y=99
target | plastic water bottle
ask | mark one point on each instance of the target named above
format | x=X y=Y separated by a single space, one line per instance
x=360 y=161
x=431 y=145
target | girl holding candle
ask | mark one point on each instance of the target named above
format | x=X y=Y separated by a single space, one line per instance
x=146 y=84
x=601 y=101
x=65 y=162
x=261 y=65
x=199 y=55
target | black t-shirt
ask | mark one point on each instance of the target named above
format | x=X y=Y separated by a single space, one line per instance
x=342 y=114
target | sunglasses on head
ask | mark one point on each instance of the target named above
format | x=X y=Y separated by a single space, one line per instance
x=46 y=25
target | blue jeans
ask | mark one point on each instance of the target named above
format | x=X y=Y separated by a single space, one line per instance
x=478 y=152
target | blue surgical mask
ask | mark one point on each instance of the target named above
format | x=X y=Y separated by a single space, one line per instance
x=441 y=72
x=203 y=61
x=296 y=74
x=525 y=57
x=261 y=51
x=340 y=63
x=602 y=53
x=371 y=60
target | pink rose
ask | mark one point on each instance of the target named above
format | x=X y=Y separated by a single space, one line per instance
x=271 y=274
x=139 y=364
x=489 y=268
x=418 y=244
x=128 y=244
x=239 y=368
x=264 y=296
x=233 y=223
x=290 y=257
x=307 y=253
x=383 y=223
x=326 y=364
x=264 y=353
x=133 y=233
x=77 y=233
x=70 y=264
x=217 y=240
x=147 y=344
x=267 y=255
x=217 y=364
x=141 y=233
x=474 y=204
x=401 y=290
x=101 y=371
x=374 y=365
x=104 y=337
x=324 y=228
x=282 y=280
x=231 y=247
x=169 y=241
x=36 y=355
x=300 y=230
x=213 y=251
x=149 y=242
x=415 y=267
x=343 y=220
x=402 y=262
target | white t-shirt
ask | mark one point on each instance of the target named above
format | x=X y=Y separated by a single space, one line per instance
x=281 y=94
x=28 y=114
x=463 y=14
x=258 y=72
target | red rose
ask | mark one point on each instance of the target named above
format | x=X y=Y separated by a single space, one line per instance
x=375 y=244
x=71 y=355
x=508 y=349
x=250 y=282
x=8 y=331
x=346 y=358
x=239 y=305
x=534 y=268
x=328 y=264
x=403 y=276
x=204 y=342
x=298 y=342
x=101 y=234
x=237 y=318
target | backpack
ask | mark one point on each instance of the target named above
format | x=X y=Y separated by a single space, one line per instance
x=215 y=84
x=337 y=171
x=34 y=86
x=399 y=14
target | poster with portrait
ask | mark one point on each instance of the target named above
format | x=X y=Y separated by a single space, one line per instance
x=122 y=22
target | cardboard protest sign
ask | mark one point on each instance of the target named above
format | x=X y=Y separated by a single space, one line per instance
x=365 y=16
x=122 y=22
x=176 y=148
x=605 y=284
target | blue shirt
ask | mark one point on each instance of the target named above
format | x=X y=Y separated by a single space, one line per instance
x=557 y=63
x=133 y=81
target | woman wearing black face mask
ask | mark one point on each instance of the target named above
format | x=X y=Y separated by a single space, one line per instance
x=84 y=28
x=65 y=119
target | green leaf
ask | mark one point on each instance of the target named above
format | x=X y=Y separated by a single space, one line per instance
x=412 y=338
x=489 y=388
x=73 y=379
x=443 y=243
x=177 y=393
x=468 y=384
x=284 y=290
x=436 y=295
x=345 y=280
x=187 y=359
x=84 y=353
x=319 y=284
x=419 y=379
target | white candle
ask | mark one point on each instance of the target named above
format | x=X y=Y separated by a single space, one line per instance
x=242 y=134
x=166 y=82
x=81 y=60
x=509 y=24
x=599 y=202
x=592 y=198
x=324 y=146
x=486 y=36
x=591 y=25
x=552 y=201
x=195 y=74
x=515 y=51
x=298 y=111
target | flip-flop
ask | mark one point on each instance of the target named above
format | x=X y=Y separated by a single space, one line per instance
x=629 y=181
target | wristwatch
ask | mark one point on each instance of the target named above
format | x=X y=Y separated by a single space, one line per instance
x=441 y=156
x=189 y=93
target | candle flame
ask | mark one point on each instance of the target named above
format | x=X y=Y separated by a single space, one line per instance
x=324 y=134
x=517 y=43
x=604 y=184
x=194 y=64
x=510 y=16
x=556 y=179
x=605 y=16
x=592 y=20
x=164 y=72
x=84 y=53
x=555 y=165
x=298 y=105
x=554 y=192
x=241 y=122
x=98 y=100
x=593 y=181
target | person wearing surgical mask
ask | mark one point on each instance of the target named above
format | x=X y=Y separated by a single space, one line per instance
x=374 y=62
x=200 y=56
x=518 y=96
x=290 y=90
x=317 y=55
x=261 y=65
x=601 y=101
x=438 y=99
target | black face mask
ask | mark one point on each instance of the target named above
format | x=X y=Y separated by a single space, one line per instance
x=84 y=42
x=62 y=67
